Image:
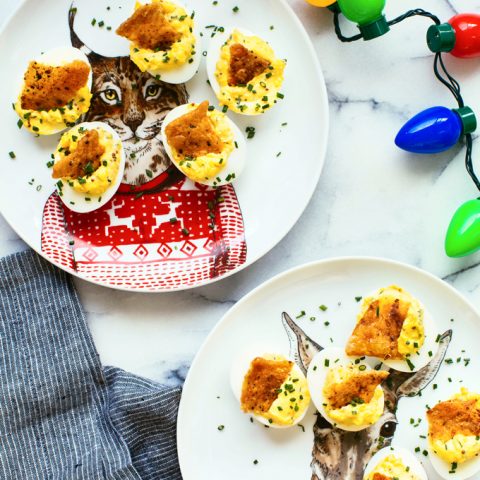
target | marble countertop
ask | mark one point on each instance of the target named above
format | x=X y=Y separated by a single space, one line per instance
x=372 y=199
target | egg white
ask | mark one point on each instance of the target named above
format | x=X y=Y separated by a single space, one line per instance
x=69 y=194
x=236 y=160
x=408 y=459
x=58 y=57
x=184 y=72
x=463 y=471
x=213 y=55
x=317 y=376
x=239 y=369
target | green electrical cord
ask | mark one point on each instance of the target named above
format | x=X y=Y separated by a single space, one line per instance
x=439 y=69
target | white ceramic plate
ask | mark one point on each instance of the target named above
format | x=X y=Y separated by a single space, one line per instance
x=207 y=453
x=132 y=244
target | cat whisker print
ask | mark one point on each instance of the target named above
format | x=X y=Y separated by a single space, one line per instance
x=343 y=455
x=134 y=104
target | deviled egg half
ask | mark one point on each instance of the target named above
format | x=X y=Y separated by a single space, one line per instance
x=88 y=166
x=454 y=436
x=394 y=463
x=270 y=388
x=346 y=391
x=204 y=144
x=394 y=327
x=56 y=91
x=244 y=72
x=163 y=40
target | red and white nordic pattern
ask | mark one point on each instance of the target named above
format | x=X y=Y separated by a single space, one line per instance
x=178 y=237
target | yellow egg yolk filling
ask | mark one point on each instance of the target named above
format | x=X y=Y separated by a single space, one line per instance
x=292 y=401
x=179 y=53
x=460 y=448
x=210 y=165
x=275 y=389
x=412 y=334
x=99 y=181
x=263 y=91
x=46 y=122
x=354 y=414
x=392 y=467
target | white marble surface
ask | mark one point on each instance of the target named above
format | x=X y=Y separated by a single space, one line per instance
x=372 y=199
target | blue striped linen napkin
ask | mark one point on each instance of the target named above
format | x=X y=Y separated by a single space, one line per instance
x=62 y=415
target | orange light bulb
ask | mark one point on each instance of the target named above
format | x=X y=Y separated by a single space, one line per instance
x=321 y=3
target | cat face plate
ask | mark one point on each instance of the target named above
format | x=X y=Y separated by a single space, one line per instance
x=161 y=232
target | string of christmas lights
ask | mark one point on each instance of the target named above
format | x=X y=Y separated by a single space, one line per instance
x=438 y=128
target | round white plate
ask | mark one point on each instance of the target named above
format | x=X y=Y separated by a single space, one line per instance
x=207 y=453
x=285 y=157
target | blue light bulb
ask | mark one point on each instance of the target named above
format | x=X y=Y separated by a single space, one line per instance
x=435 y=130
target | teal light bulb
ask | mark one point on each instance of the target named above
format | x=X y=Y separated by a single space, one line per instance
x=367 y=14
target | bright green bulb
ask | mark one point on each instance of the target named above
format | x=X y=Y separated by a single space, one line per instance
x=463 y=235
x=368 y=14
x=362 y=11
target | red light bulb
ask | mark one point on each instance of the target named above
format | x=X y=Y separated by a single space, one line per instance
x=460 y=36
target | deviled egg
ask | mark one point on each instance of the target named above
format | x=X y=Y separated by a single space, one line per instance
x=56 y=91
x=396 y=328
x=244 y=72
x=163 y=41
x=88 y=165
x=394 y=463
x=204 y=144
x=346 y=391
x=270 y=388
x=454 y=436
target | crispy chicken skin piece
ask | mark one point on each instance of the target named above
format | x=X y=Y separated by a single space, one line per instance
x=193 y=135
x=244 y=65
x=261 y=384
x=148 y=28
x=49 y=87
x=358 y=389
x=380 y=476
x=453 y=417
x=377 y=332
x=74 y=165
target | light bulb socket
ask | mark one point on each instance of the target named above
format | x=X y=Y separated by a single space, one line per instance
x=468 y=119
x=374 y=29
x=334 y=7
x=441 y=38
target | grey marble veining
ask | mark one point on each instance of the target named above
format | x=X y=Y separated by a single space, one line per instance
x=372 y=199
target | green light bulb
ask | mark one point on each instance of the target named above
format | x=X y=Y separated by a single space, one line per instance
x=463 y=236
x=367 y=14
